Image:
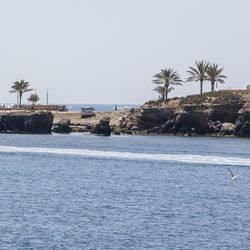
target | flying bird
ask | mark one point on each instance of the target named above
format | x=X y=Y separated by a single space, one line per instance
x=233 y=176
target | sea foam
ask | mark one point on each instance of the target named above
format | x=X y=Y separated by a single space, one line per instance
x=185 y=158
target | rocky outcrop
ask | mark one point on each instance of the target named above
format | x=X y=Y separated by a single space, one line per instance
x=243 y=124
x=103 y=127
x=24 y=122
x=227 y=128
x=63 y=126
x=213 y=114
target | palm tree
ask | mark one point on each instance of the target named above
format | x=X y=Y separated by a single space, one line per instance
x=199 y=73
x=161 y=91
x=20 y=88
x=215 y=76
x=167 y=77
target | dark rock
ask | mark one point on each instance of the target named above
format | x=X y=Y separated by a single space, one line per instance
x=102 y=128
x=196 y=121
x=168 y=127
x=129 y=132
x=154 y=130
x=213 y=114
x=75 y=124
x=63 y=126
x=116 y=132
x=151 y=117
x=79 y=129
x=26 y=122
x=242 y=124
x=214 y=126
x=227 y=112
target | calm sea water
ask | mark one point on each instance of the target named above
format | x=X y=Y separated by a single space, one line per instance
x=101 y=107
x=123 y=192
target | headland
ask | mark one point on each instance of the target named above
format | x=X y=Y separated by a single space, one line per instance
x=210 y=114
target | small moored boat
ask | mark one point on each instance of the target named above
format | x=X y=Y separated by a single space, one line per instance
x=87 y=112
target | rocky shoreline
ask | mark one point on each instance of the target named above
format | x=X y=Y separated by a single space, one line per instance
x=210 y=114
x=26 y=122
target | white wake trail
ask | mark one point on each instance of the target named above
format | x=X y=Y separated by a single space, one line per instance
x=185 y=158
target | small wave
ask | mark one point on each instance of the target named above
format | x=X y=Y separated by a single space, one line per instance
x=185 y=158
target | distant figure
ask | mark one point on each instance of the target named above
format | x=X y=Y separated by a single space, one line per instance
x=115 y=107
x=233 y=176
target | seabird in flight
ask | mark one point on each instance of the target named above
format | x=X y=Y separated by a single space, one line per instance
x=233 y=176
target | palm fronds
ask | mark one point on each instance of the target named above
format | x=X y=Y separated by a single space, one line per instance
x=215 y=76
x=20 y=88
x=167 y=77
x=198 y=74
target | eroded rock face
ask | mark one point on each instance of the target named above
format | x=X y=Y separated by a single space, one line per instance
x=227 y=112
x=243 y=124
x=218 y=115
x=26 y=122
x=103 y=127
x=151 y=117
x=191 y=121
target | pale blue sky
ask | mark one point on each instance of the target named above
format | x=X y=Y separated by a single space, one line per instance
x=100 y=51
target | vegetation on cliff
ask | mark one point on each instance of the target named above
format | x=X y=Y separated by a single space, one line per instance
x=212 y=98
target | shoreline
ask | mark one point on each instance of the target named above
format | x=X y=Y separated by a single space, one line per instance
x=209 y=115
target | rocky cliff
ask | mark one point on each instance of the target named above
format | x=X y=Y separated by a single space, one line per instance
x=25 y=122
x=210 y=114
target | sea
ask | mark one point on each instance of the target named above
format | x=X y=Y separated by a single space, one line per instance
x=80 y=191
x=101 y=107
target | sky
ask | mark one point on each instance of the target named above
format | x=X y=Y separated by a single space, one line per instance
x=96 y=51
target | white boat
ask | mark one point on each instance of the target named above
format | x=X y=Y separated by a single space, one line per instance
x=87 y=112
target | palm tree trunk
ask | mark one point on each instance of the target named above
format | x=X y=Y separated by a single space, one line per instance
x=166 y=92
x=201 y=87
x=212 y=86
x=20 y=99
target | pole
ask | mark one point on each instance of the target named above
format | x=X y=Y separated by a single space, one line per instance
x=47 y=99
x=35 y=96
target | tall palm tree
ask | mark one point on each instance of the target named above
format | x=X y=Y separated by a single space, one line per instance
x=167 y=77
x=198 y=74
x=20 y=88
x=215 y=76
